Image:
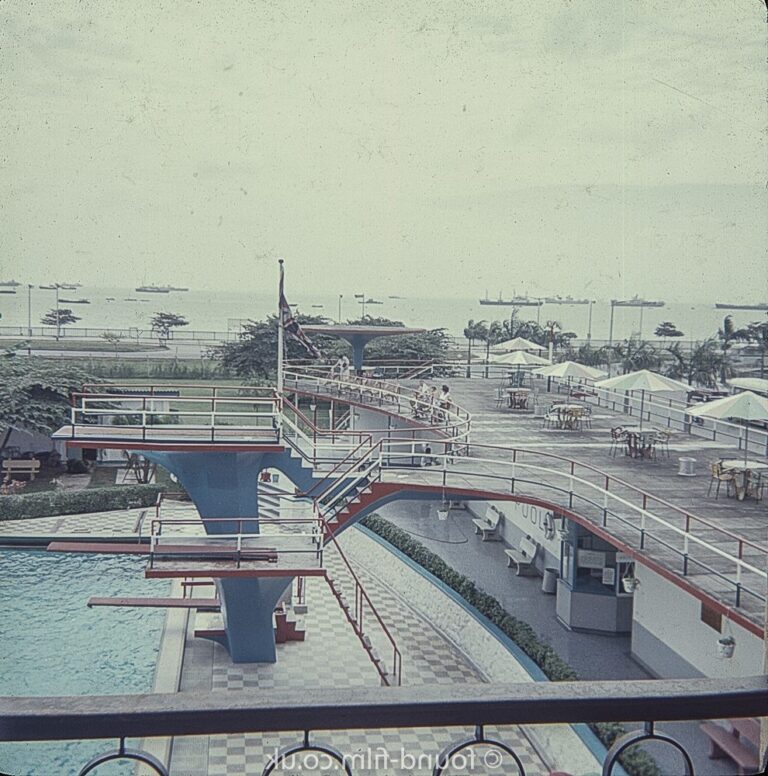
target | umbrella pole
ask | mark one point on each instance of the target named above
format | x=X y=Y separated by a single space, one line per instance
x=642 y=401
x=746 y=443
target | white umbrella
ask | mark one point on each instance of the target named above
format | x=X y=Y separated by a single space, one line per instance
x=518 y=343
x=750 y=384
x=744 y=406
x=570 y=369
x=643 y=380
x=519 y=358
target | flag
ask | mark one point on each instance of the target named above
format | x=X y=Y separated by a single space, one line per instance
x=291 y=325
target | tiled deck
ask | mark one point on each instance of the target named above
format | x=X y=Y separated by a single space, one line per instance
x=331 y=656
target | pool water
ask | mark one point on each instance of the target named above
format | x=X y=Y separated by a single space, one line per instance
x=51 y=643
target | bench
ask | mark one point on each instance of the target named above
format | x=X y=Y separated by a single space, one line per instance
x=739 y=741
x=488 y=525
x=12 y=466
x=522 y=557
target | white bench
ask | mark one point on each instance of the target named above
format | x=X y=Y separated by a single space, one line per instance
x=523 y=557
x=488 y=525
x=30 y=467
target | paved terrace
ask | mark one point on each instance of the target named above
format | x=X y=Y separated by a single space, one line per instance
x=521 y=429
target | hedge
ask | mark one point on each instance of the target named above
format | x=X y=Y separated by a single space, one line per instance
x=636 y=761
x=51 y=503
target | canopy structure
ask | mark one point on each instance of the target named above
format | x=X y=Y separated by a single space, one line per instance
x=359 y=336
x=570 y=369
x=518 y=343
x=750 y=384
x=643 y=380
x=744 y=406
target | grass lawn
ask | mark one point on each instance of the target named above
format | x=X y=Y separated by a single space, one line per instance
x=93 y=346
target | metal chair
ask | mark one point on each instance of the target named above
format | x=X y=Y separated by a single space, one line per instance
x=719 y=476
x=618 y=438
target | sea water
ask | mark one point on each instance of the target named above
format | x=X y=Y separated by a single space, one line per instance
x=53 y=644
x=222 y=311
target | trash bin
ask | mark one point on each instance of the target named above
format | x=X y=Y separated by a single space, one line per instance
x=687 y=467
x=549 y=581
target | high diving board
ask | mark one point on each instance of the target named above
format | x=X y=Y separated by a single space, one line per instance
x=166 y=603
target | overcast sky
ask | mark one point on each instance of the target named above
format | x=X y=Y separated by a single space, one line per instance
x=600 y=147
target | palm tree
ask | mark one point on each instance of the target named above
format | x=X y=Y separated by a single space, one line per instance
x=491 y=335
x=702 y=363
x=758 y=333
x=727 y=335
x=473 y=331
x=637 y=354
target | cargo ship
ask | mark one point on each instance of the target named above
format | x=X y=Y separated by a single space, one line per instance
x=564 y=300
x=154 y=289
x=10 y=283
x=75 y=301
x=636 y=301
x=514 y=301
x=722 y=306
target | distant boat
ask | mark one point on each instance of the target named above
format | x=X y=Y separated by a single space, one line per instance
x=635 y=301
x=722 y=306
x=317 y=305
x=11 y=283
x=564 y=300
x=514 y=301
x=48 y=287
x=373 y=301
x=7 y=290
x=395 y=297
x=110 y=298
x=177 y=288
x=75 y=301
x=130 y=299
x=69 y=286
x=153 y=289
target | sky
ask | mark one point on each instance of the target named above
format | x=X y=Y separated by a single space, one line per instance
x=592 y=148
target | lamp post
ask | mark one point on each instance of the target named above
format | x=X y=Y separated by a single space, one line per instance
x=589 y=324
x=29 y=309
x=341 y=296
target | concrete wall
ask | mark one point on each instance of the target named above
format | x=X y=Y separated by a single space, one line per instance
x=669 y=638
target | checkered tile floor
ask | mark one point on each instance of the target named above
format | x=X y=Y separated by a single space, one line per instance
x=428 y=658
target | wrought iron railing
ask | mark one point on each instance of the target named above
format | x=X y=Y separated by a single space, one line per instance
x=309 y=710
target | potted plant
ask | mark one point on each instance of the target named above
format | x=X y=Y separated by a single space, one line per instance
x=726 y=644
x=630 y=583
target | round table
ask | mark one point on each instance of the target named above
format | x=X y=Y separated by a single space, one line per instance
x=742 y=470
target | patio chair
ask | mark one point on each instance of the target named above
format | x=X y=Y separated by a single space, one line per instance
x=500 y=398
x=586 y=416
x=719 y=476
x=755 y=485
x=662 y=441
x=552 y=418
x=618 y=438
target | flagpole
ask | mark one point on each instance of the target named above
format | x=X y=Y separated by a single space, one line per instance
x=280 y=334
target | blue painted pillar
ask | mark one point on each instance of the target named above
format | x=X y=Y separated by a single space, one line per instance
x=358 y=342
x=226 y=485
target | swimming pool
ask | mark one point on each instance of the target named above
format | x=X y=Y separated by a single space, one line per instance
x=53 y=644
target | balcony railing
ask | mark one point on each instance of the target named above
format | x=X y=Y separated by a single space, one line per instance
x=308 y=710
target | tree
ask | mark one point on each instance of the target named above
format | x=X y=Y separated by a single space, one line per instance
x=668 y=329
x=35 y=394
x=112 y=338
x=472 y=332
x=492 y=335
x=254 y=354
x=637 y=354
x=701 y=364
x=758 y=333
x=58 y=317
x=728 y=336
x=162 y=323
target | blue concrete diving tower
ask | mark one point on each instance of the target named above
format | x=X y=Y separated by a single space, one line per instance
x=225 y=485
x=359 y=336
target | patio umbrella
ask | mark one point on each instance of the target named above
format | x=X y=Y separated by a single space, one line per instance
x=519 y=358
x=570 y=369
x=744 y=406
x=643 y=380
x=750 y=384
x=518 y=343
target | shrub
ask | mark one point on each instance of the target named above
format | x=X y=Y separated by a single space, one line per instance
x=636 y=761
x=72 y=503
